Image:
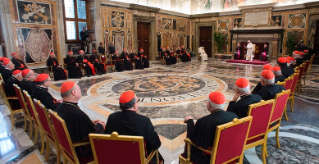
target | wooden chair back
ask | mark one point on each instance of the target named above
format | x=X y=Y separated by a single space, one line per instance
x=279 y=106
x=43 y=117
x=22 y=102
x=288 y=82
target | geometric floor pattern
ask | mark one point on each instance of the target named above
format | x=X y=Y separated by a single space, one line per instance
x=168 y=93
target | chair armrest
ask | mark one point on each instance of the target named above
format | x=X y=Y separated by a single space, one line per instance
x=150 y=157
x=81 y=144
x=189 y=143
x=12 y=98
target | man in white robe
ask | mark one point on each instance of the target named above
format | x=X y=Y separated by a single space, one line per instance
x=202 y=53
x=249 y=55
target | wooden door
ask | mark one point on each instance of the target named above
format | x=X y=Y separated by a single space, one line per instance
x=316 y=45
x=143 y=36
x=205 y=39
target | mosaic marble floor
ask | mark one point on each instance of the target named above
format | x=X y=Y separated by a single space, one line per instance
x=168 y=93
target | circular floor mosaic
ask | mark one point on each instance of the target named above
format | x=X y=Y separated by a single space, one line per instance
x=159 y=89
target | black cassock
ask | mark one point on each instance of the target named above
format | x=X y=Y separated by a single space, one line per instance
x=101 y=50
x=58 y=72
x=8 y=86
x=112 y=49
x=240 y=108
x=79 y=125
x=172 y=58
x=74 y=71
x=262 y=57
x=144 y=59
x=1 y=68
x=257 y=88
x=27 y=86
x=118 y=63
x=6 y=74
x=87 y=67
x=299 y=61
x=269 y=91
x=97 y=65
x=202 y=134
x=280 y=78
x=42 y=94
x=287 y=71
x=127 y=63
x=129 y=122
x=19 y=64
x=166 y=57
x=237 y=54
x=138 y=63
x=307 y=56
x=132 y=56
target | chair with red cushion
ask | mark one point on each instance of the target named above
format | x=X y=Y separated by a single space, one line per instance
x=307 y=64
x=301 y=68
x=292 y=90
x=47 y=127
x=116 y=148
x=310 y=65
x=35 y=122
x=67 y=148
x=261 y=113
x=279 y=107
x=65 y=67
x=12 y=103
x=26 y=113
x=288 y=82
x=103 y=60
x=226 y=147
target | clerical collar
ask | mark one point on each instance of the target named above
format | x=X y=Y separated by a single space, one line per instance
x=215 y=111
x=70 y=103
x=245 y=95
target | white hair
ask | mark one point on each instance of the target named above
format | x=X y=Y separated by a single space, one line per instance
x=268 y=81
x=277 y=72
x=243 y=90
x=215 y=106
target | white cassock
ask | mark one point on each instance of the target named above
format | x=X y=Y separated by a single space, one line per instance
x=202 y=53
x=249 y=55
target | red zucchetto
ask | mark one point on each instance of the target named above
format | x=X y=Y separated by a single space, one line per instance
x=296 y=52
x=268 y=75
x=6 y=62
x=127 y=97
x=25 y=72
x=306 y=51
x=2 y=59
x=282 y=60
x=13 y=53
x=267 y=67
x=301 y=53
x=42 y=77
x=66 y=86
x=276 y=68
x=217 y=100
x=16 y=72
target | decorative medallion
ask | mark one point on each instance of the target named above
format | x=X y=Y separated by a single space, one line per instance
x=297 y=20
x=118 y=19
x=34 y=12
x=223 y=25
x=38 y=45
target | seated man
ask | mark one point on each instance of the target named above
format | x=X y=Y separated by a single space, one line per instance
x=267 y=67
x=128 y=122
x=58 y=71
x=94 y=58
x=144 y=58
x=298 y=58
x=307 y=55
x=127 y=65
x=41 y=92
x=285 y=70
x=202 y=54
x=165 y=55
x=132 y=55
x=1 y=63
x=202 y=134
x=278 y=75
x=73 y=66
x=19 y=64
x=240 y=108
x=118 y=61
x=77 y=122
x=14 y=79
x=237 y=53
x=258 y=87
x=264 y=53
x=270 y=89
x=88 y=67
x=8 y=68
x=28 y=83
x=290 y=60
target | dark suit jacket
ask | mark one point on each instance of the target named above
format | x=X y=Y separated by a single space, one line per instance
x=240 y=108
x=28 y=86
x=6 y=74
x=130 y=123
x=269 y=91
x=280 y=78
x=17 y=63
x=287 y=71
x=8 y=86
x=45 y=97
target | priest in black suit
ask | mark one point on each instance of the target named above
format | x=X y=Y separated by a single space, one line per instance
x=101 y=49
x=278 y=76
x=83 y=34
x=270 y=89
x=144 y=58
x=112 y=48
x=240 y=107
x=73 y=66
x=83 y=60
x=19 y=64
x=94 y=58
x=58 y=71
x=118 y=61
x=285 y=70
x=78 y=123
x=132 y=55
x=128 y=122
x=28 y=83
x=14 y=79
x=202 y=134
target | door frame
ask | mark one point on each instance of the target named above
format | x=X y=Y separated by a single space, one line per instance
x=152 y=48
x=197 y=33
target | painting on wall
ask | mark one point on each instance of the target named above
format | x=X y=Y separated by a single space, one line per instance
x=167 y=23
x=37 y=44
x=297 y=20
x=118 y=39
x=118 y=19
x=34 y=13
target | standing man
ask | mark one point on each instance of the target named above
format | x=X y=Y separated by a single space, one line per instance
x=19 y=64
x=101 y=49
x=111 y=48
x=249 y=47
x=58 y=71
x=83 y=34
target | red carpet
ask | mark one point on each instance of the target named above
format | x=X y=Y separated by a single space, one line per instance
x=255 y=62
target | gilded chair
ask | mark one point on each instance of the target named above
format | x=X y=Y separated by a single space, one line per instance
x=163 y=61
x=46 y=124
x=226 y=147
x=65 y=67
x=51 y=73
x=307 y=63
x=301 y=68
x=67 y=148
x=2 y=92
x=293 y=87
x=120 y=149
x=288 y=82
x=310 y=66
x=26 y=114
x=275 y=120
x=261 y=113
x=12 y=103
x=103 y=60
x=35 y=122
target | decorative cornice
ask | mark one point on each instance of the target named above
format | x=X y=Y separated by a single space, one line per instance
x=205 y=15
x=259 y=6
x=311 y=4
x=255 y=31
x=144 y=8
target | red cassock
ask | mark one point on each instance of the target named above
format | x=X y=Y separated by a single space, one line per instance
x=91 y=65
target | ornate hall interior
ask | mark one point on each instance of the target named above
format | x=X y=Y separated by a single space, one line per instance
x=34 y=29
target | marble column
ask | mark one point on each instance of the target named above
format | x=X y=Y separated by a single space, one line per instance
x=7 y=29
x=61 y=31
x=98 y=30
